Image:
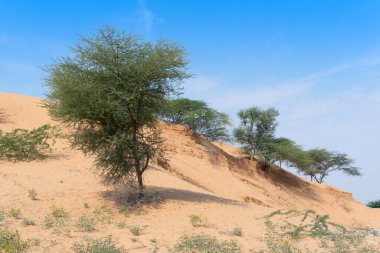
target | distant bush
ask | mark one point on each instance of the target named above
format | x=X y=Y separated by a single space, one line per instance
x=10 y=241
x=202 y=243
x=374 y=204
x=25 y=145
x=101 y=245
x=198 y=220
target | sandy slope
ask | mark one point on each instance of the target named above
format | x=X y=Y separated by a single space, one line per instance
x=201 y=178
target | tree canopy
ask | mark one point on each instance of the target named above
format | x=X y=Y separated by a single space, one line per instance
x=110 y=90
x=257 y=128
x=199 y=116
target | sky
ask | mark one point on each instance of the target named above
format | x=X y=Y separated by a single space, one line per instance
x=316 y=61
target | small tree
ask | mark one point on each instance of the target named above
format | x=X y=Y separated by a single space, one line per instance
x=283 y=151
x=319 y=163
x=110 y=91
x=256 y=130
x=198 y=116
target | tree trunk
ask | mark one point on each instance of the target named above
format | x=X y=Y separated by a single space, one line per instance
x=140 y=186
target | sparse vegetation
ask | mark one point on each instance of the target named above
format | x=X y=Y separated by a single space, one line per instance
x=85 y=224
x=121 y=225
x=28 y=222
x=57 y=219
x=237 y=231
x=374 y=204
x=15 y=213
x=137 y=230
x=202 y=243
x=32 y=194
x=25 y=145
x=291 y=228
x=10 y=242
x=86 y=205
x=198 y=220
x=104 y=214
x=101 y=245
x=2 y=215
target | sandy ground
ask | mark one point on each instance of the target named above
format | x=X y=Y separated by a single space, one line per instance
x=201 y=178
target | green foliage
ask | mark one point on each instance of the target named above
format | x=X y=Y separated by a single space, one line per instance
x=10 y=242
x=25 y=145
x=257 y=128
x=57 y=219
x=111 y=91
x=198 y=116
x=2 y=215
x=319 y=163
x=198 y=220
x=85 y=224
x=202 y=243
x=32 y=194
x=15 y=213
x=137 y=230
x=287 y=229
x=101 y=245
x=374 y=204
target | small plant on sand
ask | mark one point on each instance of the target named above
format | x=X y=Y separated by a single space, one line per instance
x=32 y=194
x=10 y=242
x=15 y=213
x=121 y=225
x=374 y=204
x=198 y=220
x=137 y=230
x=202 y=243
x=86 y=205
x=25 y=145
x=104 y=214
x=28 y=222
x=56 y=219
x=237 y=231
x=85 y=224
x=101 y=245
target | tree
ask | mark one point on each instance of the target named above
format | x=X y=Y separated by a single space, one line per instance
x=198 y=116
x=283 y=150
x=256 y=130
x=319 y=163
x=110 y=91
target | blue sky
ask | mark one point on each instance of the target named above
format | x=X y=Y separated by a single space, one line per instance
x=317 y=62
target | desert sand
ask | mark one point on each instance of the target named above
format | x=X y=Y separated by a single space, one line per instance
x=200 y=178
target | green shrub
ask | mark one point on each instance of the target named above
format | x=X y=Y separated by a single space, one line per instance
x=198 y=220
x=137 y=230
x=202 y=243
x=86 y=224
x=15 y=213
x=374 y=204
x=2 y=215
x=25 y=145
x=57 y=218
x=101 y=245
x=10 y=242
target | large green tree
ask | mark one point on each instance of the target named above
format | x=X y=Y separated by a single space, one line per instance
x=199 y=116
x=319 y=163
x=257 y=128
x=110 y=90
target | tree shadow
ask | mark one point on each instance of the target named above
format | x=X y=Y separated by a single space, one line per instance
x=121 y=197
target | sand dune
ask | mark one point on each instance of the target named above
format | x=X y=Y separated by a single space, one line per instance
x=200 y=178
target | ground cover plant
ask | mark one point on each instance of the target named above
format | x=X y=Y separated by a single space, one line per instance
x=25 y=145
x=100 y=245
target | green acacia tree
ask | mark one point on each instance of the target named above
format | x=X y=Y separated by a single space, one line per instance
x=319 y=163
x=199 y=116
x=110 y=91
x=257 y=128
